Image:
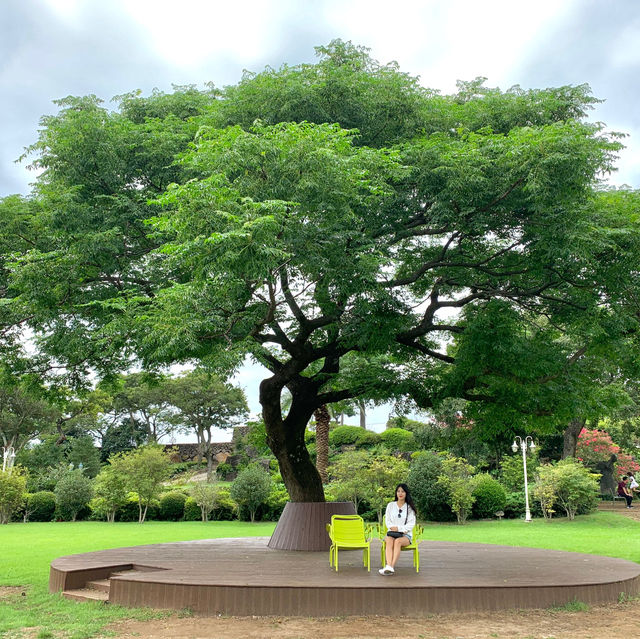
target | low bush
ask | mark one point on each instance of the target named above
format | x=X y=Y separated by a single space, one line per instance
x=277 y=500
x=367 y=439
x=192 y=511
x=224 y=508
x=224 y=470
x=344 y=436
x=130 y=511
x=515 y=506
x=398 y=439
x=41 y=506
x=172 y=505
x=490 y=495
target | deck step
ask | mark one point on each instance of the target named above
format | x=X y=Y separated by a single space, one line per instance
x=98 y=584
x=86 y=594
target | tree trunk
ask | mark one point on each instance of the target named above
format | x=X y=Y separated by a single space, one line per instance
x=571 y=433
x=322 y=441
x=285 y=438
x=363 y=413
x=208 y=449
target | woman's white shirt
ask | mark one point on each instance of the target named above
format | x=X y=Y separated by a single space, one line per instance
x=392 y=519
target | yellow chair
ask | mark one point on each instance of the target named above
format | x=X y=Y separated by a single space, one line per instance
x=413 y=546
x=348 y=532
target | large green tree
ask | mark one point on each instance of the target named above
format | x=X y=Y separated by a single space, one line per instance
x=332 y=220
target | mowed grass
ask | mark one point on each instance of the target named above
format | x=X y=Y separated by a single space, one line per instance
x=602 y=533
x=26 y=550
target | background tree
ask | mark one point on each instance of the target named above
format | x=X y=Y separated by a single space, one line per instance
x=73 y=492
x=144 y=470
x=384 y=473
x=12 y=492
x=205 y=495
x=142 y=399
x=346 y=225
x=250 y=489
x=456 y=480
x=110 y=490
x=24 y=415
x=349 y=481
x=204 y=402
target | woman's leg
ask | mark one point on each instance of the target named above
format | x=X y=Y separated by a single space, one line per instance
x=388 y=550
x=397 y=549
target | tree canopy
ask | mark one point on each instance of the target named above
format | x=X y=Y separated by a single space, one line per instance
x=357 y=234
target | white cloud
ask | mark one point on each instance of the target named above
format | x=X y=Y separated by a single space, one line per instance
x=443 y=42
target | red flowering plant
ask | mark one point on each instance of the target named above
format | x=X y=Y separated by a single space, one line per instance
x=597 y=446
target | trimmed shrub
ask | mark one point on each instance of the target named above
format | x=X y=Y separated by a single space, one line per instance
x=344 y=436
x=192 y=511
x=41 y=506
x=130 y=511
x=367 y=439
x=430 y=498
x=515 y=507
x=398 y=439
x=172 y=505
x=224 y=508
x=490 y=495
x=277 y=500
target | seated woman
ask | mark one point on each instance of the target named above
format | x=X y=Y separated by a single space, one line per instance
x=623 y=491
x=400 y=518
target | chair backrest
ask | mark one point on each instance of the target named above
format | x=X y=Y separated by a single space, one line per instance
x=348 y=528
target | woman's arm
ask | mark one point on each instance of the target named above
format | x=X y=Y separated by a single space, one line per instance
x=411 y=522
x=388 y=520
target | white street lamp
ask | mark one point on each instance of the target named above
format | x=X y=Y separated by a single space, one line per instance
x=523 y=443
x=8 y=457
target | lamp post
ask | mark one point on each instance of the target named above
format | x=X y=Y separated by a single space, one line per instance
x=523 y=443
x=8 y=456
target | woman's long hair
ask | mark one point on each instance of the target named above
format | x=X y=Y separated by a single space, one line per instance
x=408 y=500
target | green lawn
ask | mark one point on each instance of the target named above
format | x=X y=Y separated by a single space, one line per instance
x=26 y=551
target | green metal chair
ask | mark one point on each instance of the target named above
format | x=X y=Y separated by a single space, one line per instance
x=413 y=546
x=348 y=532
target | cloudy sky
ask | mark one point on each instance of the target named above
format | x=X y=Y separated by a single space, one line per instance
x=53 y=48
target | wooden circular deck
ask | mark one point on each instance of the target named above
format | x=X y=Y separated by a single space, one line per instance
x=245 y=577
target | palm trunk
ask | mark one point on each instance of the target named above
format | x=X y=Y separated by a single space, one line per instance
x=323 y=420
